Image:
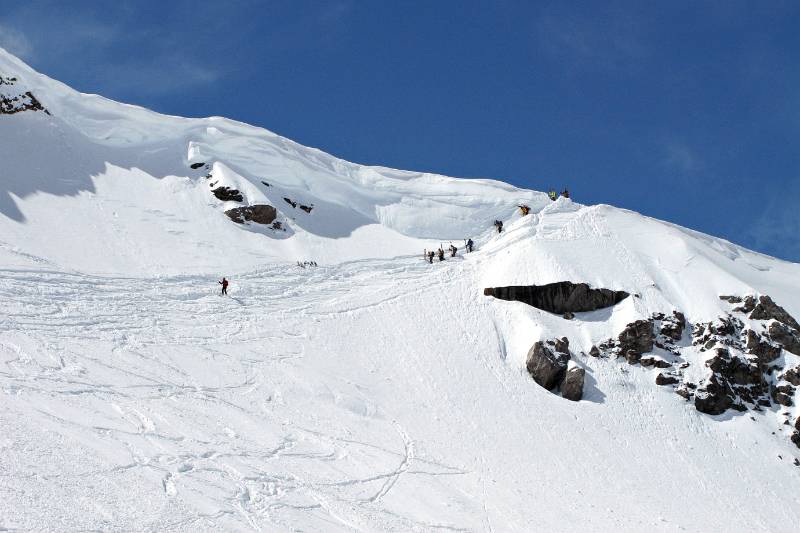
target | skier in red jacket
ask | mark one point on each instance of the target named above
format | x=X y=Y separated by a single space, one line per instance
x=224 y=284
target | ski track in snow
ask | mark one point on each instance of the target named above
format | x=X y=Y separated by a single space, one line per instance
x=113 y=359
x=215 y=414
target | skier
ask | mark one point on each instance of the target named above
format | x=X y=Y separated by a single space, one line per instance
x=470 y=244
x=499 y=225
x=565 y=193
x=430 y=256
x=440 y=253
x=224 y=284
x=524 y=209
x=553 y=195
x=453 y=251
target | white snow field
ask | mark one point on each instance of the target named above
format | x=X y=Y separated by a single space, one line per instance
x=375 y=392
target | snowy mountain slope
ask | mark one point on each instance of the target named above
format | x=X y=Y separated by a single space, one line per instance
x=112 y=151
x=374 y=393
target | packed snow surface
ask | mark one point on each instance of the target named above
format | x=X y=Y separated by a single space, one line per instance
x=375 y=392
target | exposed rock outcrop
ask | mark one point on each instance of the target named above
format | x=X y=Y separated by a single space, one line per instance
x=745 y=367
x=672 y=327
x=636 y=339
x=766 y=309
x=549 y=364
x=226 y=194
x=666 y=379
x=14 y=100
x=792 y=376
x=559 y=298
x=764 y=350
x=785 y=336
x=546 y=366
x=572 y=388
x=745 y=359
x=260 y=214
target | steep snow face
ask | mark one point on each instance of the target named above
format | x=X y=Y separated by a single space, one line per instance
x=375 y=392
x=93 y=152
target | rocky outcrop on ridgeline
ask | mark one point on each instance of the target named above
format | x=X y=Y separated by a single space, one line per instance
x=549 y=364
x=260 y=214
x=766 y=309
x=560 y=298
x=14 y=100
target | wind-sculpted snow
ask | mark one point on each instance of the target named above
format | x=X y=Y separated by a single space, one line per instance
x=89 y=140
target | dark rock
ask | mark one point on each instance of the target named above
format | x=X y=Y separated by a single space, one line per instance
x=654 y=361
x=684 y=392
x=226 y=194
x=636 y=339
x=290 y=202
x=277 y=225
x=559 y=298
x=715 y=399
x=785 y=336
x=797 y=423
x=795 y=438
x=684 y=365
x=769 y=310
x=673 y=326
x=726 y=326
x=765 y=351
x=663 y=379
x=749 y=305
x=10 y=105
x=260 y=214
x=562 y=345
x=792 y=376
x=266 y=184
x=195 y=166
x=569 y=315
x=632 y=357
x=782 y=394
x=732 y=299
x=306 y=208
x=546 y=367
x=572 y=388
x=594 y=351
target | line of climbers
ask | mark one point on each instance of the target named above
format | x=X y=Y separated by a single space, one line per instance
x=498 y=224
x=429 y=254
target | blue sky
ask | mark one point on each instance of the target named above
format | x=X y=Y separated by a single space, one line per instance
x=685 y=111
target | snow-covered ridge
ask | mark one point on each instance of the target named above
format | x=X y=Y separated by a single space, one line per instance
x=385 y=211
